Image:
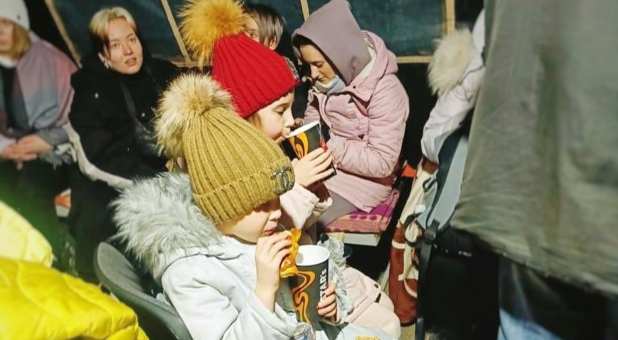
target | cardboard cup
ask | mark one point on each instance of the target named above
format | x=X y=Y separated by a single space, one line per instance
x=309 y=285
x=306 y=139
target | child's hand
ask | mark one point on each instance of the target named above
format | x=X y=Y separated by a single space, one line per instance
x=269 y=252
x=327 y=308
x=314 y=167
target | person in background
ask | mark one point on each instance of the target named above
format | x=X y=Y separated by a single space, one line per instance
x=357 y=97
x=35 y=98
x=266 y=26
x=455 y=74
x=540 y=186
x=115 y=93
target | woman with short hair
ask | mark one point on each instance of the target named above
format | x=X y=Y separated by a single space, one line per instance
x=115 y=94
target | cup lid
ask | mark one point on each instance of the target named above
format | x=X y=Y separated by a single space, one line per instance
x=303 y=128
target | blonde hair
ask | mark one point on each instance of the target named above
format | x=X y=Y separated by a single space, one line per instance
x=21 y=42
x=270 y=23
x=99 y=25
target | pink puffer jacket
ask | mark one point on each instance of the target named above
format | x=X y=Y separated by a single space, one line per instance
x=367 y=122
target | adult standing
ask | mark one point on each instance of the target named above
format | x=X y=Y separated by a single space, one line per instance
x=541 y=179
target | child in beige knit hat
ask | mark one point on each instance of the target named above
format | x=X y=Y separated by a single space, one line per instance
x=210 y=236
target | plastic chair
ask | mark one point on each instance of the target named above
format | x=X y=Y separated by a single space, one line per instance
x=158 y=319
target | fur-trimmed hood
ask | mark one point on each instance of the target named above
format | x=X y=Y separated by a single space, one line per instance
x=158 y=222
x=457 y=54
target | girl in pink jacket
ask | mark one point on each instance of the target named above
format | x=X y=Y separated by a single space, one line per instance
x=357 y=97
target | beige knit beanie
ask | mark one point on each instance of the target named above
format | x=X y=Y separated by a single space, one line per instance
x=232 y=166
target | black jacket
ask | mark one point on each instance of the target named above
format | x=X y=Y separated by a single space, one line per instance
x=100 y=114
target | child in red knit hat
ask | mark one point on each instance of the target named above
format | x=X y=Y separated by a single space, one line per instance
x=261 y=84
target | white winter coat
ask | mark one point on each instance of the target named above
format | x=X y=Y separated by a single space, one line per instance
x=456 y=73
x=209 y=278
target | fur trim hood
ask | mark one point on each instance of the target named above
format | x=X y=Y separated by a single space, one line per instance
x=158 y=222
x=450 y=61
x=455 y=53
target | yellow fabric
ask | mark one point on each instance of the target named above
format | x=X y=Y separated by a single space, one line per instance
x=37 y=302
x=20 y=241
x=233 y=167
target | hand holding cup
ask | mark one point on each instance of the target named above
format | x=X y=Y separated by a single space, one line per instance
x=327 y=307
x=315 y=162
x=313 y=167
x=269 y=253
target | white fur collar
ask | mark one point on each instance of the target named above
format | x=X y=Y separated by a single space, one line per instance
x=158 y=222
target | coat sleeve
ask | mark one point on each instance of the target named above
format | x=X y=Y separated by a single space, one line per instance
x=196 y=294
x=451 y=109
x=376 y=156
x=104 y=146
x=299 y=204
x=48 y=123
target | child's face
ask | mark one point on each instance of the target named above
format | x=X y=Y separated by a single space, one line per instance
x=262 y=221
x=252 y=30
x=276 y=119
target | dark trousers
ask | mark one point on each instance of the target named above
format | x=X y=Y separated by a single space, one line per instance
x=561 y=309
x=460 y=298
x=90 y=220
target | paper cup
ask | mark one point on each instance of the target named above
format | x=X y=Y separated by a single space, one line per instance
x=306 y=139
x=309 y=285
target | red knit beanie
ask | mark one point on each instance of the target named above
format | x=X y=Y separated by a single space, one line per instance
x=254 y=75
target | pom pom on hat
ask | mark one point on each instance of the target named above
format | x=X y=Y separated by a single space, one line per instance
x=204 y=22
x=189 y=96
x=254 y=75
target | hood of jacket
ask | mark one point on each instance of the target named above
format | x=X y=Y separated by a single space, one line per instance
x=333 y=29
x=159 y=223
x=383 y=63
x=457 y=54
